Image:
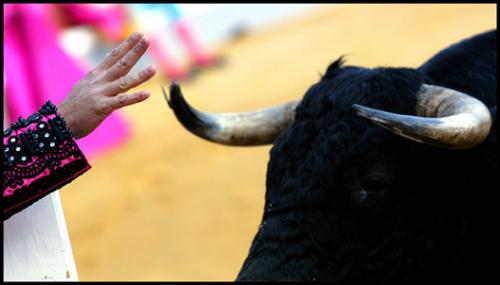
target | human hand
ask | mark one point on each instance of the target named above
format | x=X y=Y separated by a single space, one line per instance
x=98 y=94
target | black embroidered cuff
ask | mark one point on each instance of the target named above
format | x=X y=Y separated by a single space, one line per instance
x=40 y=155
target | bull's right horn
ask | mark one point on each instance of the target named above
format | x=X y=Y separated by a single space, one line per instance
x=242 y=129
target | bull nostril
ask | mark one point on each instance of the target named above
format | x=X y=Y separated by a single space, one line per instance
x=270 y=207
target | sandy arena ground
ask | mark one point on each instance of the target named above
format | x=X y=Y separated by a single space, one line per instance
x=167 y=205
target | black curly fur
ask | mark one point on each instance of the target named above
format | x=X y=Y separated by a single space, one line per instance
x=347 y=200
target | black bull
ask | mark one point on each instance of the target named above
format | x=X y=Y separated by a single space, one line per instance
x=348 y=199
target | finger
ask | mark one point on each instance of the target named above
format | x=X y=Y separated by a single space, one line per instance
x=123 y=66
x=119 y=51
x=126 y=99
x=130 y=81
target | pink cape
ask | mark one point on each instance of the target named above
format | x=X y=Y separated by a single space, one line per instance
x=37 y=69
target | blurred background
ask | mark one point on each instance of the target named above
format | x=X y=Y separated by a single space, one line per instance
x=160 y=204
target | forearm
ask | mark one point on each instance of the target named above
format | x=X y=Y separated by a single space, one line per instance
x=40 y=156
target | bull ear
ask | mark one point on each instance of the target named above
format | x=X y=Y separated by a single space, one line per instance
x=445 y=118
x=260 y=127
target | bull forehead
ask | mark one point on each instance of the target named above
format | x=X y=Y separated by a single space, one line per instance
x=315 y=162
x=325 y=115
x=390 y=89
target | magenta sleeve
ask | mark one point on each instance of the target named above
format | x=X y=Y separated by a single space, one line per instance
x=40 y=156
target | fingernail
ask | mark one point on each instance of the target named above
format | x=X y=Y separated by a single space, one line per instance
x=144 y=40
x=136 y=35
x=151 y=69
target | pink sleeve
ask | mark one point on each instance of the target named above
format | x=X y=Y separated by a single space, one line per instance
x=40 y=156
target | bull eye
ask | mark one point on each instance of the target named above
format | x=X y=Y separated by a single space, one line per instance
x=374 y=185
x=371 y=193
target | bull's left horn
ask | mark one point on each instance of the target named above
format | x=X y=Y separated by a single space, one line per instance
x=243 y=129
x=445 y=118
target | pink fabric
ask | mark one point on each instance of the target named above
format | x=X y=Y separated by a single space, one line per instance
x=18 y=207
x=199 y=55
x=37 y=70
x=109 y=20
x=165 y=59
x=27 y=181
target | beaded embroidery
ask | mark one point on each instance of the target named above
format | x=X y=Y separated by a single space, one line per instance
x=39 y=155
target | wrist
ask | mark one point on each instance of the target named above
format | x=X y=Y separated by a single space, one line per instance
x=65 y=114
x=50 y=109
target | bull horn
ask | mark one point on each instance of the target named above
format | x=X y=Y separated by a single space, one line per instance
x=242 y=129
x=445 y=118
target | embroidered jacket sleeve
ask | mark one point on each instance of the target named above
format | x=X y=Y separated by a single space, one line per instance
x=40 y=156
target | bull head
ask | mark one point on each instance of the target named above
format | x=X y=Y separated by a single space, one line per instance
x=445 y=118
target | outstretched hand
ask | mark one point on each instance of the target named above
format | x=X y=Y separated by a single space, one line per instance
x=98 y=94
